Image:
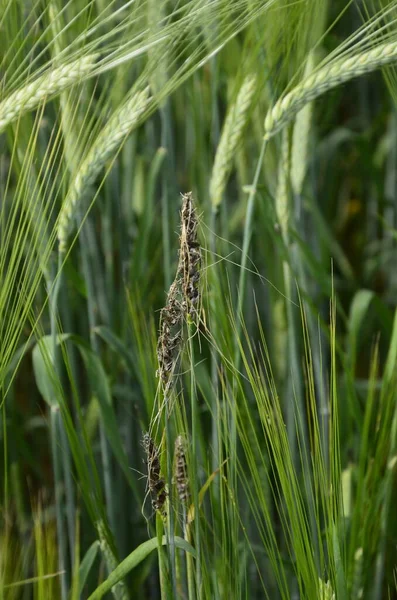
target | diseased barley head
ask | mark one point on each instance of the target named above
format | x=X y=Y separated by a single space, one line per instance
x=181 y=478
x=190 y=255
x=156 y=483
x=183 y=296
x=170 y=335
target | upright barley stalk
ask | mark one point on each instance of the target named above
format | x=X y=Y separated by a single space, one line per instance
x=68 y=130
x=181 y=481
x=247 y=239
x=55 y=430
x=240 y=303
x=232 y=132
x=299 y=165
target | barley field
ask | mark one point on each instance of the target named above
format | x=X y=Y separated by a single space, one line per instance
x=198 y=299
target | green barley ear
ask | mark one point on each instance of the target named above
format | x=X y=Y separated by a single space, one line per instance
x=119 y=590
x=120 y=124
x=326 y=591
x=282 y=205
x=44 y=87
x=325 y=78
x=300 y=138
x=230 y=138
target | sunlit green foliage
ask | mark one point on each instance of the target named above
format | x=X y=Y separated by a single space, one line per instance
x=279 y=389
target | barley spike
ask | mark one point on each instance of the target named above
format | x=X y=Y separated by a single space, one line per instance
x=230 y=138
x=156 y=483
x=331 y=75
x=119 y=590
x=45 y=86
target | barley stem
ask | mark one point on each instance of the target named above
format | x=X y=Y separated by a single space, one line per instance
x=56 y=464
x=189 y=565
x=56 y=426
x=65 y=453
x=195 y=457
x=88 y=246
x=170 y=515
x=246 y=242
x=165 y=591
x=390 y=479
x=214 y=362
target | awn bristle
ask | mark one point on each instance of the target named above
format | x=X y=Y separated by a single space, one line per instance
x=181 y=478
x=325 y=78
x=156 y=482
x=45 y=86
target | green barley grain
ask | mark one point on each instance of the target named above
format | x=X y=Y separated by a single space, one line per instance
x=231 y=135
